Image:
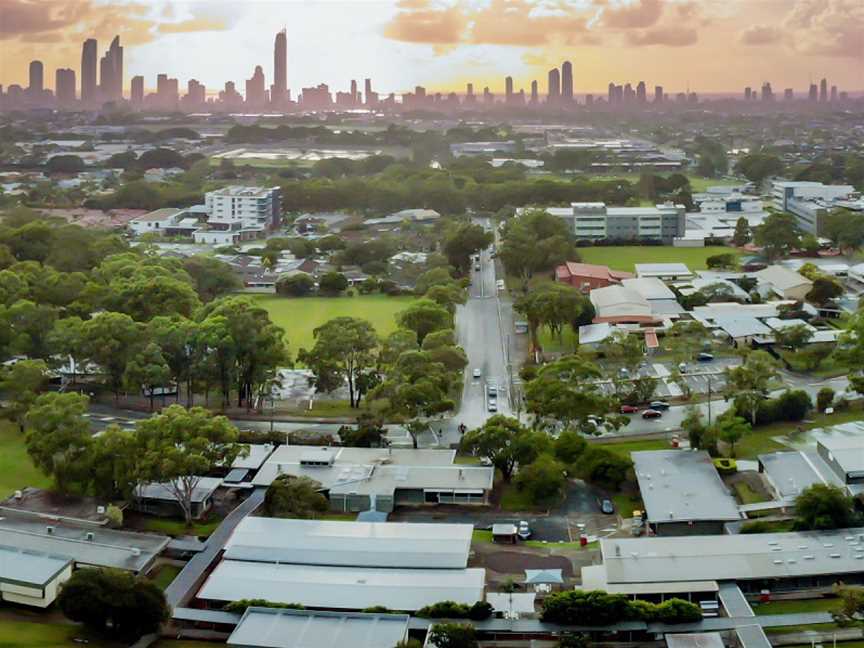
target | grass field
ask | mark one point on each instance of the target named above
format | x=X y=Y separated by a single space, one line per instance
x=626 y=256
x=172 y=527
x=16 y=469
x=797 y=607
x=24 y=634
x=300 y=316
x=697 y=183
x=165 y=575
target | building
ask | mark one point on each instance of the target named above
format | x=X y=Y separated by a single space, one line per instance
x=482 y=148
x=664 y=271
x=808 y=201
x=64 y=87
x=254 y=209
x=683 y=493
x=111 y=73
x=587 y=276
x=31 y=577
x=275 y=628
x=279 y=93
x=160 y=499
x=596 y=221
x=360 y=479
x=89 y=58
x=620 y=305
x=567 y=82
x=785 y=283
x=659 y=296
x=168 y=221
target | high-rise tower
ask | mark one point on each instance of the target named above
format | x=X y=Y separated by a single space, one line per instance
x=37 y=78
x=554 y=88
x=64 y=87
x=280 y=69
x=567 y=82
x=111 y=72
x=89 y=57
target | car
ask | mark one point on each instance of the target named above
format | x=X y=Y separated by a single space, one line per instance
x=629 y=409
x=624 y=372
x=492 y=406
x=705 y=357
x=651 y=414
x=523 y=530
x=607 y=507
x=658 y=405
x=682 y=367
x=477 y=267
x=477 y=373
x=492 y=390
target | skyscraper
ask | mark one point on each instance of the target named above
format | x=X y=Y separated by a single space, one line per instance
x=641 y=93
x=833 y=93
x=658 y=94
x=88 y=71
x=814 y=92
x=823 y=90
x=37 y=80
x=280 y=70
x=64 y=87
x=255 y=88
x=508 y=90
x=748 y=93
x=111 y=72
x=354 y=95
x=137 y=90
x=567 y=82
x=535 y=92
x=554 y=87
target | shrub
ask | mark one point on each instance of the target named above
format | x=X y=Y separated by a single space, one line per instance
x=726 y=466
x=298 y=285
x=824 y=399
x=114 y=515
x=757 y=526
x=677 y=610
x=444 y=610
x=480 y=611
x=575 y=606
x=241 y=605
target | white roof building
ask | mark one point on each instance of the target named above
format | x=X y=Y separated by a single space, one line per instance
x=786 y=283
x=671 y=271
x=617 y=303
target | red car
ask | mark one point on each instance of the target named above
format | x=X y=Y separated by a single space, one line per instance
x=629 y=409
x=651 y=414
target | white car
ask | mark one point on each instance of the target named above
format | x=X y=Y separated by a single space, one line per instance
x=492 y=406
x=477 y=373
x=523 y=531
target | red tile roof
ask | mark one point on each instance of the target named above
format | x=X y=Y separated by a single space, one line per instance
x=573 y=269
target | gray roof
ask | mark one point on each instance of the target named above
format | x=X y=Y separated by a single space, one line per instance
x=205 y=487
x=534 y=576
x=791 y=472
x=29 y=568
x=848 y=452
x=272 y=628
x=660 y=269
x=594 y=333
x=108 y=548
x=695 y=640
x=752 y=636
x=782 y=278
x=351 y=544
x=739 y=327
x=258 y=453
x=682 y=485
x=346 y=588
x=649 y=287
x=733 y=557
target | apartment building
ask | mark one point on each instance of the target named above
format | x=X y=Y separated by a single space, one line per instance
x=597 y=221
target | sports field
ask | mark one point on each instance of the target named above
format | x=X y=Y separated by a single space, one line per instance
x=16 y=469
x=299 y=316
x=625 y=256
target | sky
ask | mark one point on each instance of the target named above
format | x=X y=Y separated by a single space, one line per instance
x=704 y=45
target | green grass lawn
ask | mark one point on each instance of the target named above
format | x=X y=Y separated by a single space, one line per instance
x=301 y=315
x=165 y=575
x=16 y=469
x=513 y=499
x=768 y=526
x=624 y=449
x=481 y=536
x=25 y=634
x=811 y=627
x=830 y=367
x=796 y=607
x=173 y=527
x=566 y=343
x=624 y=257
x=746 y=494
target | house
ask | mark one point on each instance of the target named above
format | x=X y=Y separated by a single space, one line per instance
x=785 y=283
x=587 y=276
x=31 y=577
x=617 y=305
x=683 y=493
x=159 y=499
x=504 y=533
x=168 y=221
x=283 y=628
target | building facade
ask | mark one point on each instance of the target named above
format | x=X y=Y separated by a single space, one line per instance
x=596 y=221
x=809 y=202
x=253 y=208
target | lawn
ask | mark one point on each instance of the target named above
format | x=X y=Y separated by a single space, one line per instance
x=299 y=316
x=172 y=527
x=624 y=449
x=624 y=257
x=165 y=575
x=746 y=494
x=513 y=499
x=24 y=634
x=16 y=469
x=797 y=606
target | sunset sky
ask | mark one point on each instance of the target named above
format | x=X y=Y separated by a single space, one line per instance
x=712 y=45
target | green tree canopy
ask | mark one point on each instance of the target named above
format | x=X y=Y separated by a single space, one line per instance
x=822 y=506
x=295 y=497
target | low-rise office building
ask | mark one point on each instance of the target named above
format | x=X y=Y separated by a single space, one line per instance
x=597 y=221
x=809 y=201
x=30 y=577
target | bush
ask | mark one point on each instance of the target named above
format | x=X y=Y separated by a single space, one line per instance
x=479 y=611
x=241 y=605
x=298 y=285
x=573 y=607
x=791 y=405
x=543 y=479
x=824 y=399
x=332 y=283
x=295 y=497
x=757 y=526
x=114 y=515
x=726 y=466
x=677 y=610
x=603 y=467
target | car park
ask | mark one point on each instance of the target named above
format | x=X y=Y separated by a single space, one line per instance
x=651 y=414
x=629 y=409
x=607 y=507
x=523 y=530
x=658 y=405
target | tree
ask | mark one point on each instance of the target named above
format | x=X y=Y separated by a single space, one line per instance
x=824 y=399
x=694 y=426
x=623 y=349
x=742 y=234
x=368 y=433
x=424 y=317
x=554 y=306
x=21 y=383
x=569 y=446
x=824 y=290
x=603 y=467
x=295 y=497
x=726 y=261
x=113 y=601
x=343 y=351
x=111 y=340
x=66 y=340
x=497 y=441
x=731 y=429
x=212 y=277
x=756 y=167
x=748 y=382
x=332 y=283
x=59 y=438
x=821 y=507
x=452 y=635
x=462 y=241
x=574 y=640
x=178 y=446
x=112 y=457
x=448 y=296
x=65 y=164
x=793 y=337
x=851 y=608
x=543 y=479
x=778 y=235
x=430 y=278
x=685 y=339
x=296 y=285
x=534 y=242
x=844 y=229
x=147 y=371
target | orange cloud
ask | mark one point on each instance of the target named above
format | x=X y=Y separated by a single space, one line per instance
x=193 y=25
x=515 y=22
x=435 y=26
x=827 y=28
x=637 y=15
x=669 y=36
x=761 y=35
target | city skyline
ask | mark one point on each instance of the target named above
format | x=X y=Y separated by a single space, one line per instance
x=442 y=46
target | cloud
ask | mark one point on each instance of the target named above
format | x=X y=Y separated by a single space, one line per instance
x=193 y=25
x=827 y=28
x=524 y=23
x=636 y=15
x=20 y=17
x=433 y=26
x=761 y=35
x=669 y=36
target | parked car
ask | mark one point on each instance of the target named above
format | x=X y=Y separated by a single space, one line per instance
x=705 y=357
x=523 y=530
x=659 y=405
x=629 y=409
x=492 y=389
x=651 y=414
x=477 y=373
x=492 y=406
x=682 y=367
x=477 y=267
x=607 y=507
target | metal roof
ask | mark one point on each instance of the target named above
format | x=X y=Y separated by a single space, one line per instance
x=273 y=628
x=205 y=487
x=782 y=278
x=29 y=568
x=660 y=269
x=258 y=453
x=351 y=544
x=534 y=576
x=649 y=287
x=733 y=557
x=345 y=588
x=695 y=640
x=682 y=485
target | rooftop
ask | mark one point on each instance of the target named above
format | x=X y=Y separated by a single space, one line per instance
x=158 y=215
x=237 y=191
x=274 y=628
x=351 y=544
x=29 y=568
x=203 y=489
x=696 y=640
x=650 y=288
x=344 y=588
x=782 y=278
x=258 y=453
x=662 y=269
x=682 y=485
